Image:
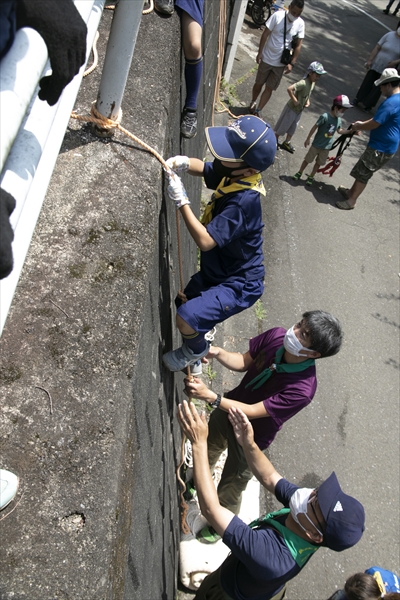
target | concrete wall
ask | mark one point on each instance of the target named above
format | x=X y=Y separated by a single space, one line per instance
x=92 y=316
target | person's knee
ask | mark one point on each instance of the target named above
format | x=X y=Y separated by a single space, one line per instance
x=183 y=326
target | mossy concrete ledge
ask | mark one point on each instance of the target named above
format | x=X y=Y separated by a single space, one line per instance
x=88 y=412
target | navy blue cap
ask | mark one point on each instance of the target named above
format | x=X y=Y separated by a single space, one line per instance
x=344 y=515
x=249 y=139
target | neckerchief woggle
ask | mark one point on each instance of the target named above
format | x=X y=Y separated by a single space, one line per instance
x=253 y=182
x=300 y=549
x=279 y=368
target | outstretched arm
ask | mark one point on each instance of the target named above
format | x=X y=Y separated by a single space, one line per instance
x=231 y=360
x=262 y=468
x=365 y=125
x=196 y=429
x=195 y=388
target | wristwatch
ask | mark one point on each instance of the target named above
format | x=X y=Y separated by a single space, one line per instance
x=216 y=402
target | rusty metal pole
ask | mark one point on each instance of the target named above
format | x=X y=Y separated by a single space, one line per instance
x=120 y=48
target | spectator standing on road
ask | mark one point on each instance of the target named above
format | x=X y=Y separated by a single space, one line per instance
x=191 y=15
x=326 y=127
x=375 y=583
x=269 y=552
x=299 y=93
x=231 y=276
x=396 y=10
x=386 y=54
x=383 y=142
x=280 y=381
x=272 y=44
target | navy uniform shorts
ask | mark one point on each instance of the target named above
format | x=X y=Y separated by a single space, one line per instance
x=194 y=8
x=208 y=304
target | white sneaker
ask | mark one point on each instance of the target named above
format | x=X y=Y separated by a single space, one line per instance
x=8 y=487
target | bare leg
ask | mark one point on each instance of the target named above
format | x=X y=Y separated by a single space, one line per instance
x=191 y=37
x=303 y=166
x=314 y=169
x=256 y=91
x=266 y=95
x=355 y=191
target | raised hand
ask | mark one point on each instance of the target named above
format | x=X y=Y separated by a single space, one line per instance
x=242 y=427
x=193 y=425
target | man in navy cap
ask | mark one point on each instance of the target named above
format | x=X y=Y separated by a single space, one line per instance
x=229 y=234
x=270 y=551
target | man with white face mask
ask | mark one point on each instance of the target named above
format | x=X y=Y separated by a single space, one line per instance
x=273 y=549
x=280 y=30
x=280 y=381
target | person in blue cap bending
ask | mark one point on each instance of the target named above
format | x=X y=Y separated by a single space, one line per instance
x=229 y=234
x=373 y=584
x=274 y=548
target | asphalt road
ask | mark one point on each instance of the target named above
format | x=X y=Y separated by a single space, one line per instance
x=347 y=263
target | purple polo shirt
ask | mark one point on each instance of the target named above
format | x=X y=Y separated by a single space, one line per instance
x=283 y=394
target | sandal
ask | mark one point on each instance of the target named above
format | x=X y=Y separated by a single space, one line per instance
x=344 y=205
x=344 y=191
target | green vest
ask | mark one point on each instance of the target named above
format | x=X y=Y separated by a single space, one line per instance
x=300 y=549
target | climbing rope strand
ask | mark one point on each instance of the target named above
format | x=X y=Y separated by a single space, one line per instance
x=95 y=56
x=183 y=504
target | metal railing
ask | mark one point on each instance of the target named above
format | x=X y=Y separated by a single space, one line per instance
x=32 y=131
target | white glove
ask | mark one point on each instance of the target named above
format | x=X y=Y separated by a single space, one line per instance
x=178 y=163
x=176 y=191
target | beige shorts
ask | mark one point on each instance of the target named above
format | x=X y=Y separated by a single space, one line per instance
x=269 y=75
x=319 y=153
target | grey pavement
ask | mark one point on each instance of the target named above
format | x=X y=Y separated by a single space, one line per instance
x=347 y=263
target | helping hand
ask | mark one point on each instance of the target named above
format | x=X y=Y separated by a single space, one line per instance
x=176 y=190
x=195 y=388
x=192 y=424
x=178 y=164
x=242 y=427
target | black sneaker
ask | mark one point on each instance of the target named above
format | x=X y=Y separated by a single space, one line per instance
x=189 y=123
x=164 y=6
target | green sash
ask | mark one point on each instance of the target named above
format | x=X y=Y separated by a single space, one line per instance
x=300 y=549
x=279 y=368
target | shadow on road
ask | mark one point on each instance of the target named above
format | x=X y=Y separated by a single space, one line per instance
x=323 y=193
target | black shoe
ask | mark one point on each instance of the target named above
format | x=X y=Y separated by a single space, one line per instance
x=355 y=101
x=385 y=11
x=164 y=6
x=189 y=123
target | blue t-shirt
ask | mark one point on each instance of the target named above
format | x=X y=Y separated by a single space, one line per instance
x=387 y=578
x=327 y=127
x=261 y=562
x=236 y=227
x=386 y=137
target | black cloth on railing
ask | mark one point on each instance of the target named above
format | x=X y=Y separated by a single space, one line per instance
x=7 y=205
x=64 y=32
x=8 y=19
